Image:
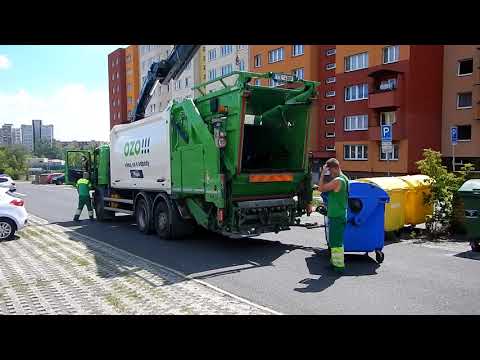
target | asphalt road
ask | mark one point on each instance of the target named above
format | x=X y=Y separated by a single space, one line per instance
x=289 y=272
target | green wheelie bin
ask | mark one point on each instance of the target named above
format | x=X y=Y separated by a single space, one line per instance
x=469 y=192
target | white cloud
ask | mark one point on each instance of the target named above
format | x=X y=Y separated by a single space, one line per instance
x=76 y=112
x=4 y=62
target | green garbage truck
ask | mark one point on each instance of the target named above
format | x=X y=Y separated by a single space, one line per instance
x=233 y=161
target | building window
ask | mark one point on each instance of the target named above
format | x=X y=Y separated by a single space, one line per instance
x=387 y=118
x=331 y=80
x=330 y=148
x=331 y=66
x=464 y=100
x=226 y=50
x=330 y=134
x=118 y=115
x=330 y=121
x=330 y=93
x=393 y=155
x=356 y=122
x=356 y=62
x=355 y=152
x=275 y=55
x=186 y=82
x=329 y=107
x=129 y=72
x=258 y=60
x=129 y=87
x=391 y=54
x=331 y=52
x=297 y=50
x=212 y=74
x=274 y=83
x=356 y=92
x=464 y=132
x=298 y=73
x=258 y=82
x=227 y=69
x=241 y=65
x=212 y=54
x=178 y=84
x=465 y=67
x=241 y=47
x=130 y=100
x=389 y=84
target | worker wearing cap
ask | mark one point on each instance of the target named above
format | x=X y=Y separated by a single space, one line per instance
x=83 y=188
x=337 y=190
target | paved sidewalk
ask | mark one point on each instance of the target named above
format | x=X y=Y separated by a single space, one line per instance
x=49 y=269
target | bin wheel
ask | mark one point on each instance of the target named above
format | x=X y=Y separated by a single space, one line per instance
x=379 y=256
x=475 y=246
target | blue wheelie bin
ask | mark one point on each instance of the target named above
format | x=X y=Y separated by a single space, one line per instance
x=365 y=219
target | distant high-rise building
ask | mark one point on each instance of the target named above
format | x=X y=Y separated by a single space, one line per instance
x=46 y=134
x=37 y=133
x=27 y=136
x=16 y=136
x=6 y=134
x=117 y=87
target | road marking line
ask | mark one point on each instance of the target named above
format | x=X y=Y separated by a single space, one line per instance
x=166 y=268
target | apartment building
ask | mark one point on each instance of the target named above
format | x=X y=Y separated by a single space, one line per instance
x=46 y=134
x=117 y=87
x=16 y=136
x=182 y=88
x=222 y=60
x=461 y=104
x=148 y=54
x=132 y=77
x=387 y=84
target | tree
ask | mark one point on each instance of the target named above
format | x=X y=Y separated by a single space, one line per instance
x=46 y=150
x=444 y=186
x=13 y=161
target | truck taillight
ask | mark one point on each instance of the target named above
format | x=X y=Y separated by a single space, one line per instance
x=220 y=215
x=17 y=202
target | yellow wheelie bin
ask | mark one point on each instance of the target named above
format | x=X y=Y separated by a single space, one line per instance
x=416 y=211
x=395 y=209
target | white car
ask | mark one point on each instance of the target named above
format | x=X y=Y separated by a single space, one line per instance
x=13 y=215
x=7 y=182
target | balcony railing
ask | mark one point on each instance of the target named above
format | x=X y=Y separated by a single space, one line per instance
x=383 y=99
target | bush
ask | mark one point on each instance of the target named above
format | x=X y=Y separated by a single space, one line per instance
x=13 y=161
x=444 y=188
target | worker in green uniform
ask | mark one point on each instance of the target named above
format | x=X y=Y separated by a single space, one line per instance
x=83 y=187
x=337 y=190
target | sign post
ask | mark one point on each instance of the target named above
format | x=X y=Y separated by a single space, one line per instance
x=454 y=139
x=387 y=146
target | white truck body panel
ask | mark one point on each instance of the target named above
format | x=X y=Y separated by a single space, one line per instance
x=140 y=154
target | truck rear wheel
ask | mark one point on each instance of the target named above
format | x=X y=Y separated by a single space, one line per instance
x=162 y=220
x=143 y=216
x=99 y=205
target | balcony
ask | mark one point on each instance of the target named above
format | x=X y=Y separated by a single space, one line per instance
x=378 y=99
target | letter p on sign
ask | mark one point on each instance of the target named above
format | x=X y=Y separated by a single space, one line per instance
x=386 y=132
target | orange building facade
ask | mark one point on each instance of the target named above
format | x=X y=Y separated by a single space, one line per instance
x=132 y=77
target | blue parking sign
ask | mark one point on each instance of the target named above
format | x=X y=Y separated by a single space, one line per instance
x=454 y=135
x=386 y=132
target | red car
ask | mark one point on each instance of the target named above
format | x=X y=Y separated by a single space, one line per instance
x=50 y=177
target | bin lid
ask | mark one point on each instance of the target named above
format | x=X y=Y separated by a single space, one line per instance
x=471 y=186
x=359 y=189
x=417 y=181
x=387 y=183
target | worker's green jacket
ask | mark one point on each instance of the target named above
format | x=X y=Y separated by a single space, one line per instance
x=83 y=187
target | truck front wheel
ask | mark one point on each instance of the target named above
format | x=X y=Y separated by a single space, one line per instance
x=162 y=220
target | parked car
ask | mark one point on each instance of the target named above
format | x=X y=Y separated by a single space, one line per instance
x=52 y=176
x=58 y=180
x=13 y=215
x=7 y=182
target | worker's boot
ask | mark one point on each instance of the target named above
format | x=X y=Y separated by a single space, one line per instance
x=77 y=215
x=90 y=215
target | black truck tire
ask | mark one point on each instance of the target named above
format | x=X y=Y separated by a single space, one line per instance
x=143 y=216
x=99 y=204
x=168 y=223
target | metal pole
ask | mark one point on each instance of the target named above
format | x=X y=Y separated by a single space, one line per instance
x=388 y=163
x=453 y=157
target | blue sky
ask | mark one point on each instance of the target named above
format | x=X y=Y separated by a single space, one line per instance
x=66 y=86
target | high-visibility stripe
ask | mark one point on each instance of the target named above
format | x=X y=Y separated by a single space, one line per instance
x=338 y=258
x=271 y=178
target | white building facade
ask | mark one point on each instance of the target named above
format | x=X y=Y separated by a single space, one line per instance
x=221 y=60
